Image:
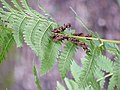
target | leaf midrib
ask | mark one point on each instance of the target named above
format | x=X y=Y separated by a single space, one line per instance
x=67 y=55
x=91 y=60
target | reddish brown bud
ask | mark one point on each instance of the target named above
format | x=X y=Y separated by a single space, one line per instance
x=68 y=25
x=78 y=34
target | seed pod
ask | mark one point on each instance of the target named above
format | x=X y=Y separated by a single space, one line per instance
x=81 y=44
x=65 y=37
x=54 y=30
x=90 y=35
x=68 y=25
x=87 y=35
x=78 y=34
x=61 y=28
x=87 y=50
x=84 y=47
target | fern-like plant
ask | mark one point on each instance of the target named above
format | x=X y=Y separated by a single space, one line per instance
x=20 y=23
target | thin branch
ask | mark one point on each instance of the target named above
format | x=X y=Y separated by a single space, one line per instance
x=108 y=75
x=96 y=39
x=80 y=20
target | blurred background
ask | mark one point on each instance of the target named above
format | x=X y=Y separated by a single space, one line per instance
x=101 y=16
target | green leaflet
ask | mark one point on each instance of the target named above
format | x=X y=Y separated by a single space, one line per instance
x=116 y=70
x=7 y=40
x=71 y=85
x=15 y=2
x=66 y=58
x=6 y=5
x=49 y=57
x=19 y=22
x=29 y=32
x=111 y=83
x=15 y=22
x=28 y=10
x=94 y=83
x=99 y=74
x=104 y=63
x=75 y=70
x=42 y=35
x=36 y=78
x=89 y=65
x=59 y=86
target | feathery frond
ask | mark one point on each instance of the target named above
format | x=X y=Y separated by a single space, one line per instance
x=98 y=75
x=59 y=86
x=66 y=58
x=28 y=10
x=75 y=70
x=49 y=57
x=111 y=83
x=116 y=70
x=6 y=5
x=36 y=78
x=89 y=66
x=104 y=63
x=7 y=40
x=71 y=85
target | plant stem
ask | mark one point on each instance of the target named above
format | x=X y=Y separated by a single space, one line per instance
x=83 y=24
x=80 y=20
x=108 y=75
x=96 y=39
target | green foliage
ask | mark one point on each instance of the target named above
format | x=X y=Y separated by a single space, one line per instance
x=71 y=85
x=117 y=70
x=105 y=63
x=49 y=57
x=75 y=70
x=89 y=66
x=96 y=80
x=33 y=27
x=20 y=23
x=59 y=86
x=111 y=83
x=6 y=40
x=66 y=58
x=36 y=78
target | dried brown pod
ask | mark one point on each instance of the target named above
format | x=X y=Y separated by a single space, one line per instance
x=87 y=50
x=61 y=28
x=78 y=34
x=90 y=35
x=84 y=47
x=81 y=44
x=65 y=37
x=54 y=30
x=87 y=35
x=55 y=40
x=58 y=37
x=68 y=25
x=57 y=30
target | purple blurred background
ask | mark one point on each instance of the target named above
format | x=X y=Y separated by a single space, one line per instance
x=102 y=16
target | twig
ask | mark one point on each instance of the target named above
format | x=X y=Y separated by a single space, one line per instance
x=108 y=75
x=80 y=20
x=96 y=39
